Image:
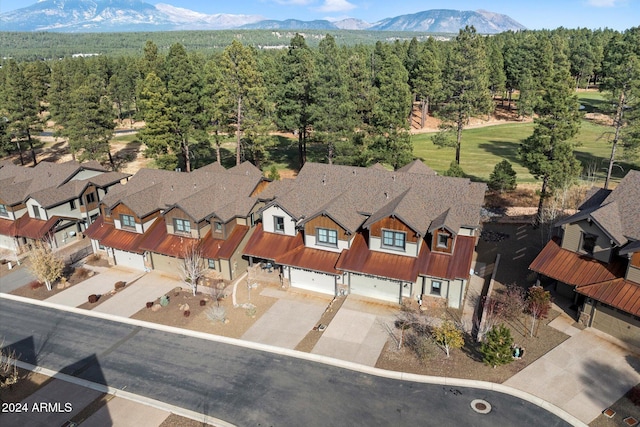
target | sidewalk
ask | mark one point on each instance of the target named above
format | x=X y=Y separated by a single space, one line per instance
x=584 y=375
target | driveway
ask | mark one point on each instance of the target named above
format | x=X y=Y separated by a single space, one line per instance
x=134 y=296
x=99 y=284
x=286 y=323
x=126 y=413
x=583 y=375
x=15 y=279
x=355 y=335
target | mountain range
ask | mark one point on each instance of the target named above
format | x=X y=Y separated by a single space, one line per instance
x=136 y=15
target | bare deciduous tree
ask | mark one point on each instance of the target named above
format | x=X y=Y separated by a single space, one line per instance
x=45 y=265
x=538 y=305
x=193 y=267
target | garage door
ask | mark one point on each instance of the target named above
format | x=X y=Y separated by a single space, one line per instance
x=7 y=242
x=128 y=259
x=373 y=287
x=166 y=264
x=621 y=326
x=313 y=281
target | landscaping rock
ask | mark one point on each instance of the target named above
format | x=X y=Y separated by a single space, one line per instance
x=156 y=307
x=60 y=286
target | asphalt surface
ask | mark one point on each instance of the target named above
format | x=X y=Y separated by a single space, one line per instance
x=239 y=385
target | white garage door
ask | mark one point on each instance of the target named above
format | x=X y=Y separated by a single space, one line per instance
x=373 y=287
x=129 y=259
x=313 y=281
x=7 y=242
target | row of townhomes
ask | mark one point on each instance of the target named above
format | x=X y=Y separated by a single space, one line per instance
x=595 y=259
x=149 y=223
x=334 y=229
x=383 y=234
x=56 y=202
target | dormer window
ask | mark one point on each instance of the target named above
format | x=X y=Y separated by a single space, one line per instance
x=589 y=242
x=394 y=239
x=72 y=204
x=127 y=221
x=217 y=227
x=36 y=212
x=443 y=241
x=327 y=237
x=91 y=197
x=278 y=224
x=3 y=211
x=182 y=225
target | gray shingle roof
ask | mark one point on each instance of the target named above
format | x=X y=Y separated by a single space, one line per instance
x=211 y=190
x=19 y=183
x=357 y=197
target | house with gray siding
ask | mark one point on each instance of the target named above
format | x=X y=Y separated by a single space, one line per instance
x=595 y=260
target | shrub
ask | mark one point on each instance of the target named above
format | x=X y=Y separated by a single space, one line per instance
x=503 y=177
x=217 y=314
x=35 y=285
x=81 y=273
x=203 y=303
x=448 y=336
x=454 y=170
x=497 y=349
x=93 y=298
x=119 y=285
x=186 y=313
x=149 y=304
x=273 y=173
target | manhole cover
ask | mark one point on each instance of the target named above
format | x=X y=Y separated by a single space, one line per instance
x=481 y=406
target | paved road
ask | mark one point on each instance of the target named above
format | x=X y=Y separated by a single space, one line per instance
x=242 y=386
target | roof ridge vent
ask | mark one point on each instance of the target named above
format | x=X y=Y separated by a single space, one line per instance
x=355 y=172
x=386 y=194
x=171 y=187
x=394 y=177
x=324 y=179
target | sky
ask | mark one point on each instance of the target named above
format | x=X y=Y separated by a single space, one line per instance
x=615 y=14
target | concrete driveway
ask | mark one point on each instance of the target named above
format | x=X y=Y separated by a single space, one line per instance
x=355 y=335
x=15 y=279
x=286 y=323
x=126 y=413
x=583 y=375
x=134 y=296
x=99 y=284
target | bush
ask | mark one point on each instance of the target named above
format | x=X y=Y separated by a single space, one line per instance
x=503 y=177
x=35 y=285
x=454 y=170
x=119 y=285
x=497 y=349
x=164 y=300
x=186 y=313
x=93 y=298
x=203 y=303
x=81 y=273
x=149 y=304
x=217 y=314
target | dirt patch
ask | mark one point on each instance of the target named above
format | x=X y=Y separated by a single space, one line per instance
x=239 y=319
x=467 y=362
x=623 y=408
x=37 y=290
x=177 y=421
x=311 y=339
x=599 y=119
x=28 y=383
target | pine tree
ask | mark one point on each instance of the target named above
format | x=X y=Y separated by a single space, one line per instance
x=548 y=153
x=467 y=86
x=155 y=110
x=294 y=108
x=425 y=78
x=503 y=177
x=497 y=348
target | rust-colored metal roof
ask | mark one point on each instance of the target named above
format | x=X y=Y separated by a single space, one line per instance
x=111 y=237
x=157 y=240
x=359 y=259
x=35 y=228
x=8 y=227
x=224 y=249
x=271 y=245
x=572 y=268
x=311 y=259
x=618 y=293
x=448 y=266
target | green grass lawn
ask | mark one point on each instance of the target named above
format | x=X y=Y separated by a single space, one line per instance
x=483 y=147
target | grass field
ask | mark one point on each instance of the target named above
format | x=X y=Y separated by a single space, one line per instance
x=483 y=147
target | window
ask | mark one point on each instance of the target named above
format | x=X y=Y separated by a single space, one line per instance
x=127 y=221
x=212 y=264
x=3 y=210
x=182 y=225
x=217 y=227
x=436 y=287
x=443 y=240
x=278 y=224
x=393 y=239
x=101 y=246
x=107 y=211
x=589 y=242
x=327 y=237
x=72 y=204
x=91 y=197
x=36 y=212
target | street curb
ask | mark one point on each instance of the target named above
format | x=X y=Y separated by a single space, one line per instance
x=402 y=376
x=126 y=395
